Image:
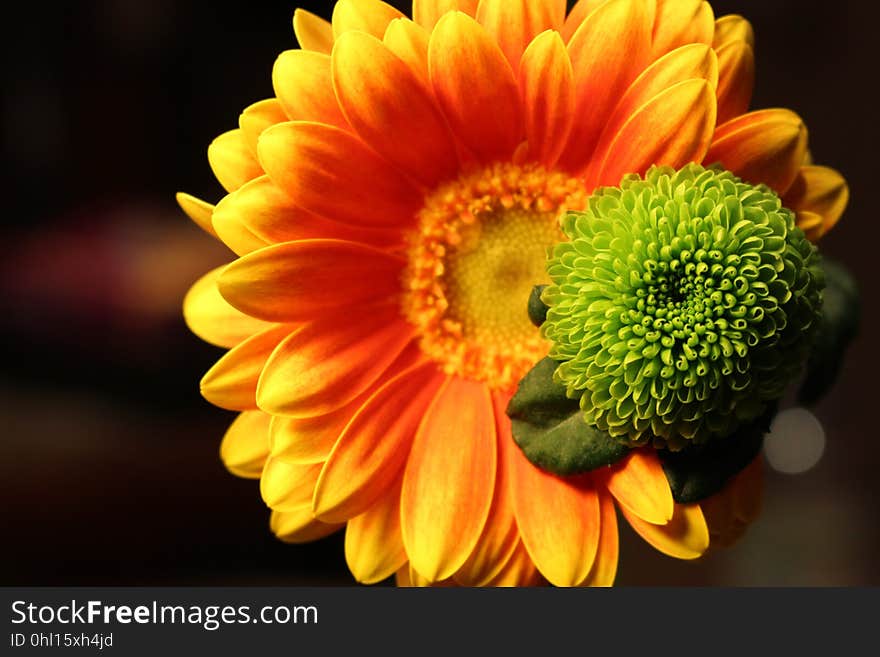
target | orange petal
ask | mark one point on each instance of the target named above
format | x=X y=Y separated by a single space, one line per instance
x=245 y=446
x=312 y=32
x=209 y=315
x=303 y=84
x=312 y=162
x=232 y=382
x=257 y=118
x=639 y=484
x=732 y=28
x=514 y=23
x=287 y=486
x=449 y=479
x=311 y=439
x=672 y=129
x=475 y=87
x=500 y=535
x=818 y=191
x=558 y=520
x=231 y=230
x=547 y=86
x=197 y=210
x=679 y=22
x=231 y=160
x=692 y=62
x=577 y=15
x=299 y=526
x=686 y=536
x=308 y=440
x=373 y=449
x=767 y=147
x=370 y=16
x=391 y=110
x=427 y=12
x=373 y=543
x=736 y=79
x=604 y=568
x=296 y=281
x=269 y=214
x=409 y=41
x=608 y=51
x=519 y=570
x=327 y=363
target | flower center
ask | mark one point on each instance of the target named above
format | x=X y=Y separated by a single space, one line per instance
x=480 y=248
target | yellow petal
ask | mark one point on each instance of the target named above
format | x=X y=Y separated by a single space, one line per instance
x=197 y=210
x=329 y=362
x=817 y=191
x=297 y=281
x=270 y=215
x=686 y=536
x=608 y=51
x=447 y=492
x=604 y=568
x=518 y=571
x=373 y=543
x=547 y=86
x=213 y=319
x=577 y=15
x=500 y=535
x=259 y=116
x=736 y=79
x=372 y=451
x=311 y=162
x=391 y=110
x=287 y=486
x=427 y=12
x=370 y=16
x=304 y=86
x=409 y=41
x=514 y=23
x=733 y=28
x=679 y=22
x=558 y=519
x=475 y=87
x=232 y=382
x=231 y=230
x=691 y=62
x=231 y=160
x=245 y=446
x=672 y=129
x=312 y=32
x=767 y=146
x=639 y=484
x=299 y=526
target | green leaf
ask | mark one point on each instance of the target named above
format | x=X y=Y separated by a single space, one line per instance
x=551 y=430
x=537 y=308
x=699 y=471
x=840 y=322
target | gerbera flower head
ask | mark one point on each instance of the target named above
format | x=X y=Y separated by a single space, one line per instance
x=390 y=209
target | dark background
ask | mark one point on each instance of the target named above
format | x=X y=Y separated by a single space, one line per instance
x=109 y=467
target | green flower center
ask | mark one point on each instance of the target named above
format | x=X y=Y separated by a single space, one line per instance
x=683 y=304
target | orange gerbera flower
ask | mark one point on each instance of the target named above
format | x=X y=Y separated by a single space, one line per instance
x=391 y=210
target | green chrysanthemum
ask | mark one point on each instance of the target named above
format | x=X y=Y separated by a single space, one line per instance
x=682 y=305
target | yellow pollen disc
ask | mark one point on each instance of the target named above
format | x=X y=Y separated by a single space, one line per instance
x=480 y=248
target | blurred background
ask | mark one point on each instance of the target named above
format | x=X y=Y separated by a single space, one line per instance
x=109 y=466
